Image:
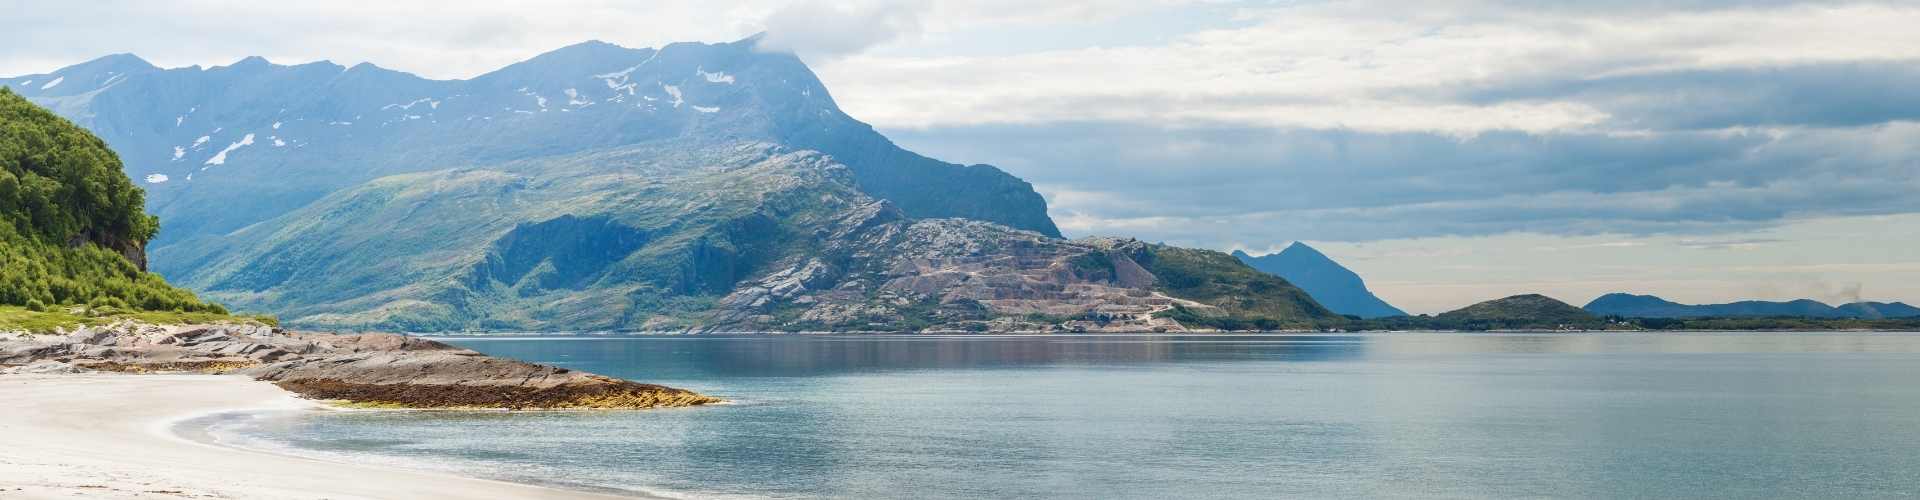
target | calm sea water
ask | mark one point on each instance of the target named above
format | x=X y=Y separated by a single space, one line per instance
x=1115 y=417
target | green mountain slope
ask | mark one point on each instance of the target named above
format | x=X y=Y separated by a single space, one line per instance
x=72 y=227
x=1530 y=311
x=1249 y=298
x=745 y=236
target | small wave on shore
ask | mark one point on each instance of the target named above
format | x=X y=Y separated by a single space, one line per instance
x=327 y=435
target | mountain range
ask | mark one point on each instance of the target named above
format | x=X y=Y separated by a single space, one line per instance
x=1648 y=306
x=222 y=148
x=701 y=187
x=1335 y=286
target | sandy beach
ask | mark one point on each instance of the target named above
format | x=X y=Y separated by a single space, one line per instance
x=108 y=436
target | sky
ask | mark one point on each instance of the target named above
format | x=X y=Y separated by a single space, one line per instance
x=1449 y=151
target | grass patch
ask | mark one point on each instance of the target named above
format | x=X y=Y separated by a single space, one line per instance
x=1250 y=299
x=15 y=318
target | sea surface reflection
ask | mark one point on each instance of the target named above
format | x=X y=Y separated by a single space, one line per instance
x=1390 y=415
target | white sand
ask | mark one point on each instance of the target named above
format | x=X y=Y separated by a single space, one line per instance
x=109 y=436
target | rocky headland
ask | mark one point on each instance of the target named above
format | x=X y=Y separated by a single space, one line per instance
x=364 y=370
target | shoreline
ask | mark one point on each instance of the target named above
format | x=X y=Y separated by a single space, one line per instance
x=593 y=335
x=113 y=436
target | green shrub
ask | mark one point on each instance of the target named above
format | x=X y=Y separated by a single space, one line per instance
x=67 y=212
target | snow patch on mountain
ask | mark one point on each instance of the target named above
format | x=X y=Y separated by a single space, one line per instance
x=573 y=98
x=56 y=81
x=179 y=152
x=704 y=109
x=156 y=178
x=675 y=92
x=715 y=77
x=409 y=105
x=618 y=80
x=221 y=157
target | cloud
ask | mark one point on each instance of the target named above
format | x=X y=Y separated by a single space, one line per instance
x=431 y=39
x=1728 y=243
x=819 y=30
x=1838 y=94
x=1219 y=186
x=1371 y=67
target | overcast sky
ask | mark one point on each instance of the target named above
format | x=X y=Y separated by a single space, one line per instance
x=1449 y=151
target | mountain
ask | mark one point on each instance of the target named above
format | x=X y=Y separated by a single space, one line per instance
x=745 y=237
x=692 y=188
x=1330 y=283
x=72 y=227
x=1879 y=310
x=1648 y=306
x=1531 y=311
x=223 y=148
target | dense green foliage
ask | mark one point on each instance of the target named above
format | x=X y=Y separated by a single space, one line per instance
x=42 y=274
x=1251 y=299
x=57 y=180
x=69 y=218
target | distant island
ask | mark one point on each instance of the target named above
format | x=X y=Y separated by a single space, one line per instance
x=1648 y=306
x=1534 y=312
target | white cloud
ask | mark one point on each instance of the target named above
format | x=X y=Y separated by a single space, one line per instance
x=820 y=30
x=1341 y=65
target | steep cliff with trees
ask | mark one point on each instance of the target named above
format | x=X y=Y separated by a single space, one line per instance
x=73 y=229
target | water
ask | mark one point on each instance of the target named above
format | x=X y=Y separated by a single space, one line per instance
x=1115 y=417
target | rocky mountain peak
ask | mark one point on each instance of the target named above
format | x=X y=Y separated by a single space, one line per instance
x=1335 y=286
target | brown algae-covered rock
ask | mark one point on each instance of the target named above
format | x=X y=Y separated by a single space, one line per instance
x=589 y=393
x=372 y=370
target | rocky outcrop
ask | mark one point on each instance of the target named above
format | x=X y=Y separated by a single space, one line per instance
x=134 y=250
x=380 y=370
x=882 y=273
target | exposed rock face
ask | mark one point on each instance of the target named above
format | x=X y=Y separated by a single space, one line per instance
x=372 y=369
x=892 y=274
x=135 y=251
